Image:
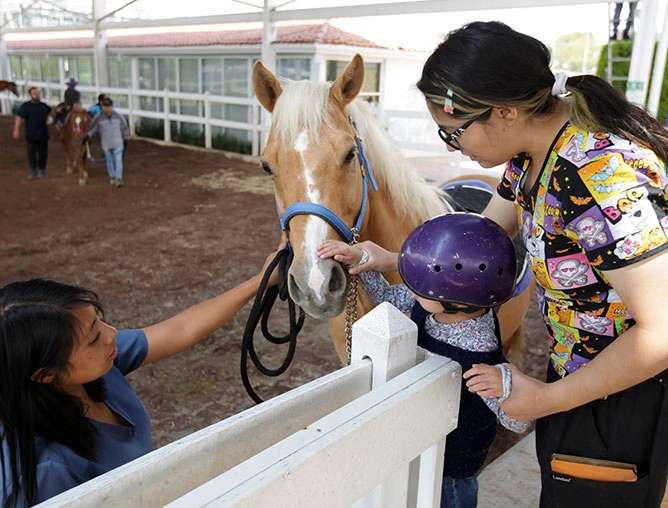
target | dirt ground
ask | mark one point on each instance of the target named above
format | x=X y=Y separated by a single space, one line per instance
x=187 y=225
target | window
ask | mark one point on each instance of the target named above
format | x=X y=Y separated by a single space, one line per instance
x=54 y=69
x=188 y=75
x=34 y=68
x=212 y=76
x=236 y=81
x=371 y=87
x=86 y=74
x=16 y=67
x=294 y=68
x=167 y=74
x=120 y=75
x=147 y=74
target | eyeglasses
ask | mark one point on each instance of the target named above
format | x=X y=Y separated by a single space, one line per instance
x=450 y=139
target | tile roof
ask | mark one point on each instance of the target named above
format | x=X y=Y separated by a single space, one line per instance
x=322 y=33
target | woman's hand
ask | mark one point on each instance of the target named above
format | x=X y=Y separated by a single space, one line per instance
x=529 y=398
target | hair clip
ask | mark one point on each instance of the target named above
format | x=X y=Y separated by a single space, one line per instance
x=448 y=107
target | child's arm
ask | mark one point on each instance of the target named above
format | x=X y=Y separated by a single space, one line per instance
x=494 y=384
x=373 y=283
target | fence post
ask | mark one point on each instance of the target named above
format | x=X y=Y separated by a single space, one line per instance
x=166 y=110
x=390 y=341
x=131 y=113
x=207 y=120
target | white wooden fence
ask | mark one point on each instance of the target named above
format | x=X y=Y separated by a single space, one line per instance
x=413 y=131
x=371 y=434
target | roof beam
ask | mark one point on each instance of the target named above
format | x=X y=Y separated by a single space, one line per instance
x=348 y=11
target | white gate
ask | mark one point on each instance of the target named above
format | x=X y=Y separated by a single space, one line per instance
x=370 y=434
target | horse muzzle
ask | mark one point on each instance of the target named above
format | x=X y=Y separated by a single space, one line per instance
x=319 y=288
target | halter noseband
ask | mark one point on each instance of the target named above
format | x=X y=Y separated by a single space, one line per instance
x=350 y=234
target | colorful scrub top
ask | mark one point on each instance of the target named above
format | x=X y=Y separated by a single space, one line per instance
x=598 y=204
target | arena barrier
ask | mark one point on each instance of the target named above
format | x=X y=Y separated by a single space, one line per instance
x=371 y=434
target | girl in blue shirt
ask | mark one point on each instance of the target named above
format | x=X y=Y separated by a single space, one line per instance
x=67 y=413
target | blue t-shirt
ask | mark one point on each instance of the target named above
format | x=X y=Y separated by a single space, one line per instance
x=59 y=468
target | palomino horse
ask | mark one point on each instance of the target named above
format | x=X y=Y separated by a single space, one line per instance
x=314 y=152
x=9 y=85
x=72 y=135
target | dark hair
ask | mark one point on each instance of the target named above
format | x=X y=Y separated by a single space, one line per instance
x=107 y=102
x=101 y=97
x=488 y=64
x=37 y=335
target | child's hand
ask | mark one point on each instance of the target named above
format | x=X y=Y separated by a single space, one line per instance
x=341 y=252
x=485 y=380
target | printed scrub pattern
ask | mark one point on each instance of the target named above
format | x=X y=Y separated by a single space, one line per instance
x=598 y=204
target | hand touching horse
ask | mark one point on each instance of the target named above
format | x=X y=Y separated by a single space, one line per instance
x=314 y=152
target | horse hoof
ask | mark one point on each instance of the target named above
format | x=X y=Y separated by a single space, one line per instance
x=82 y=182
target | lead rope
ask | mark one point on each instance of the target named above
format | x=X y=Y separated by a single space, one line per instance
x=262 y=306
x=351 y=303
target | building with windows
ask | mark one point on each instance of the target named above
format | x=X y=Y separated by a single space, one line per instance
x=195 y=87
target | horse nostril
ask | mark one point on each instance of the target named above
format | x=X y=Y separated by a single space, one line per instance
x=293 y=288
x=337 y=280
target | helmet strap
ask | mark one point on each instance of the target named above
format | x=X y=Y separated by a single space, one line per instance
x=450 y=308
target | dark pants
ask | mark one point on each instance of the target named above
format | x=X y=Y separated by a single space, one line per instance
x=630 y=426
x=37 y=154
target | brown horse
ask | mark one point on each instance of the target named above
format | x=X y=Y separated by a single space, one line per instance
x=72 y=135
x=313 y=154
x=9 y=85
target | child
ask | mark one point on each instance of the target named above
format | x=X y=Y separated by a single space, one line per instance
x=456 y=269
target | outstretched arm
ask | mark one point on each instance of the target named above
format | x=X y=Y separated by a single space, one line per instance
x=194 y=324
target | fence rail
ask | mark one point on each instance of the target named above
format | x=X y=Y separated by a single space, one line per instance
x=368 y=435
x=411 y=130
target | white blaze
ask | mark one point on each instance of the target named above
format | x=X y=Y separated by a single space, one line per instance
x=316 y=228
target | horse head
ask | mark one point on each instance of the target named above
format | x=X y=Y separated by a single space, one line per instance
x=312 y=154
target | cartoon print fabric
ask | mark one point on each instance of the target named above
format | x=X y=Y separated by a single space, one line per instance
x=598 y=204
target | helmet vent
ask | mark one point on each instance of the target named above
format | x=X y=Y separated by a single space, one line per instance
x=482 y=267
x=458 y=267
x=437 y=268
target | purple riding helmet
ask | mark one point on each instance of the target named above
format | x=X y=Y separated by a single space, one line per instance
x=461 y=258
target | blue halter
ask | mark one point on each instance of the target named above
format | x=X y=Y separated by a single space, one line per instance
x=350 y=234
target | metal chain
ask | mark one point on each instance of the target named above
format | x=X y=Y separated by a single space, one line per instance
x=351 y=303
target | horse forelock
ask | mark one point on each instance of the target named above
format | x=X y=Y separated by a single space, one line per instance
x=302 y=106
x=411 y=196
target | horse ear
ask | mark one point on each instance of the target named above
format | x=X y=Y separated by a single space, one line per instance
x=349 y=83
x=266 y=86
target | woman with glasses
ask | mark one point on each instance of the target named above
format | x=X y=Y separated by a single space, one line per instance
x=585 y=184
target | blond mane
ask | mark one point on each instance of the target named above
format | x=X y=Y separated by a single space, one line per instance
x=303 y=106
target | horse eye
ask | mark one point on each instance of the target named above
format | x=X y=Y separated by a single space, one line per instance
x=267 y=168
x=350 y=156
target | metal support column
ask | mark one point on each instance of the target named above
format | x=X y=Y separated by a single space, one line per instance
x=100 y=46
x=641 y=56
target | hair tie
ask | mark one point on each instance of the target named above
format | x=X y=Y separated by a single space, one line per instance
x=448 y=107
x=559 y=87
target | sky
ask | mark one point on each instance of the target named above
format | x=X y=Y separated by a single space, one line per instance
x=415 y=31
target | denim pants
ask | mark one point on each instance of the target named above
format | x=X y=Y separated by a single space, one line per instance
x=459 y=492
x=114 y=160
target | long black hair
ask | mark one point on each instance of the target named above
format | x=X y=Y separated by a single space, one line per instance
x=37 y=335
x=488 y=64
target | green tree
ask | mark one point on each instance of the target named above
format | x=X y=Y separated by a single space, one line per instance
x=576 y=52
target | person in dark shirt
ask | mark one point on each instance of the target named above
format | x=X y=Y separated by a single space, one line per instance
x=72 y=95
x=33 y=114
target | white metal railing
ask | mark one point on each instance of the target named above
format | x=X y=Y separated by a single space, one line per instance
x=413 y=131
x=368 y=435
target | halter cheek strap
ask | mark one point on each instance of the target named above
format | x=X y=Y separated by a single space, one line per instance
x=350 y=234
